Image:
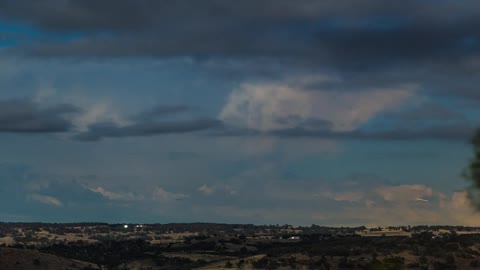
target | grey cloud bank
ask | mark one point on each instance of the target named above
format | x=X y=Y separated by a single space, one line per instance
x=368 y=44
x=338 y=33
x=24 y=116
x=105 y=130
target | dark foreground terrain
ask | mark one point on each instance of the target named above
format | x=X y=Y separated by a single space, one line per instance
x=221 y=246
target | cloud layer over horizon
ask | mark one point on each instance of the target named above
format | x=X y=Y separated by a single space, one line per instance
x=239 y=110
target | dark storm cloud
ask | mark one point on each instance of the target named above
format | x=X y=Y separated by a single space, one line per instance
x=333 y=46
x=335 y=32
x=24 y=116
x=446 y=132
x=111 y=130
x=133 y=16
x=454 y=132
x=429 y=112
x=373 y=43
x=161 y=119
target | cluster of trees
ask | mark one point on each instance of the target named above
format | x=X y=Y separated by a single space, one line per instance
x=472 y=172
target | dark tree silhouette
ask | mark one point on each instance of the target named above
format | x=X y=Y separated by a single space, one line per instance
x=472 y=173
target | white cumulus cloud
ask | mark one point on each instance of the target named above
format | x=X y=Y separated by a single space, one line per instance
x=116 y=195
x=160 y=194
x=269 y=106
x=46 y=199
x=207 y=190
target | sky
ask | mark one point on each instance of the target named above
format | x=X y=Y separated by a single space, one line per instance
x=336 y=113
